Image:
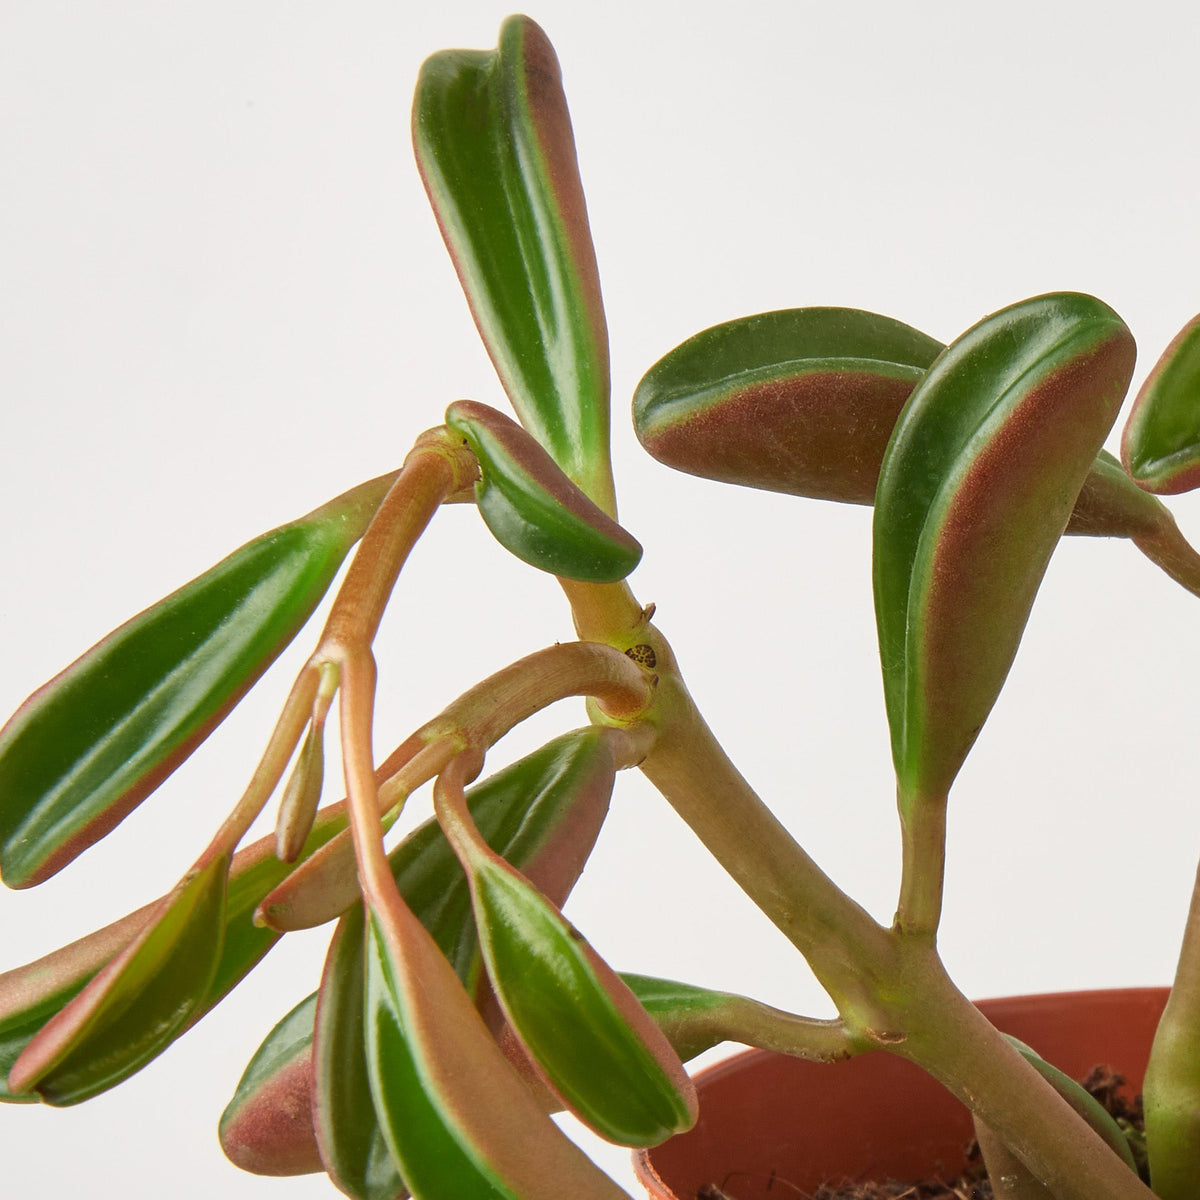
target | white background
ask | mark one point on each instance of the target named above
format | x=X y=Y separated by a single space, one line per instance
x=225 y=300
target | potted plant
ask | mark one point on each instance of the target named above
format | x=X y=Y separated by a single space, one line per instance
x=100 y=737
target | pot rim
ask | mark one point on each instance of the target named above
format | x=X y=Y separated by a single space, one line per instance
x=996 y=1008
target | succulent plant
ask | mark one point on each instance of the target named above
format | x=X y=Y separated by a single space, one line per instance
x=459 y=1006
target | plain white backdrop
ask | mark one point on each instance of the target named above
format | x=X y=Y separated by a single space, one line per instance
x=225 y=300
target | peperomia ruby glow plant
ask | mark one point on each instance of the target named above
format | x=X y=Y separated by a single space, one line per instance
x=458 y=1007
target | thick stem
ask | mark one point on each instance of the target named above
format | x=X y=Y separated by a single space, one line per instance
x=844 y=945
x=953 y=1041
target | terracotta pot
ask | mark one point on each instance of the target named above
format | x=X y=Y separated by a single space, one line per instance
x=772 y=1127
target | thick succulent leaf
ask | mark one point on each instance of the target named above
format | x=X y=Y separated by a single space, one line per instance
x=543 y=812
x=92 y=743
x=801 y=401
x=421 y=1139
x=352 y=1146
x=533 y=510
x=267 y=1127
x=595 y=1045
x=138 y=1003
x=976 y=487
x=494 y=145
x=32 y=994
x=458 y=1120
x=1161 y=442
x=804 y=401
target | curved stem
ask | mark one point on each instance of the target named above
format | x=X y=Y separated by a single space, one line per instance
x=1168 y=548
x=754 y=1024
x=491 y=708
x=437 y=467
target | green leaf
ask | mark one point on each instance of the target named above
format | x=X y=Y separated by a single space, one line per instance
x=267 y=1127
x=595 y=1045
x=804 y=401
x=976 y=488
x=91 y=744
x=138 y=1003
x=32 y=994
x=543 y=812
x=533 y=510
x=458 y=1120
x=422 y=1141
x=494 y=146
x=801 y=401
x=1161 y=442
x=352 y=1146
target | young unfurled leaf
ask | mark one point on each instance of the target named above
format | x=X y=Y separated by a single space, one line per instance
x=533 y=510
x=267 y=1127
x=544 y=813
x=976 y=487
x=91 y=744
x=1161 y=442
x=301 y=796
x=595 y=1045
x=800 y=401
x=494 y=146
x=137 y=1003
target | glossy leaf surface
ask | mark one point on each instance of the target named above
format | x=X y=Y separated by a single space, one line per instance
x=494 y=145
x=32 y=994
x=976 y=488
x=544 y=813
x=800 y=401
x=596 y=1047
x=137 y=1003
x=804 y=401
x=422 y=1141
x=533 y=510
x=458 y=1120
x=352 y=1146
x=1161 y=442
x=87 y=747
